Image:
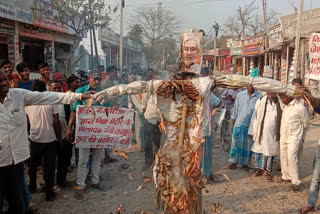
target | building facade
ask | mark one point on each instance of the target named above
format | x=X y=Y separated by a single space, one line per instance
x=108 y=45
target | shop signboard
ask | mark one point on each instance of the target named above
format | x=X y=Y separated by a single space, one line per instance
x=310 y=23
x=6 y=26
x=314 y=54
x=222 y=52
x=32 y=31
x=18 y=10
x=13 y=49
x=235 y=47
x=274 y=36
x=11 y=55
x=252 y=46
x=45 y=16
x=209 y=53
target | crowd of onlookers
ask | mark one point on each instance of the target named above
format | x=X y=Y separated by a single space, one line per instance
x=264 y=129
x=51 y=127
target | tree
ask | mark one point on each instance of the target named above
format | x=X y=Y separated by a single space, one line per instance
x=135 y=33
x=256 y=25
x=248 y=21
x=80 y=16
x=156 y=23
x=236 y=25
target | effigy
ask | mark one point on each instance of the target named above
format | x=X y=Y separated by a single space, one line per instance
x=182 y=104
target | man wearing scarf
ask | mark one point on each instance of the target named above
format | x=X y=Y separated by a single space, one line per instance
x=59 y=76
x=265 y=132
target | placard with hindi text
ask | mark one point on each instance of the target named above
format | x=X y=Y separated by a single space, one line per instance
x=103 y=127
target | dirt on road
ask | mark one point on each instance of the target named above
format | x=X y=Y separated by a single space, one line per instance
x=237 y=190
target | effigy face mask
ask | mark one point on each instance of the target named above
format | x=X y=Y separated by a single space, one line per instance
x=191 y=52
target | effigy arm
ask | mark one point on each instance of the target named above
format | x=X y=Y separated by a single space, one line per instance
x=124 y=89
x=259 y=83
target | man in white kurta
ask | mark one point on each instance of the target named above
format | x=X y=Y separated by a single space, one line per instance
x=264 y=129
x=294 y=121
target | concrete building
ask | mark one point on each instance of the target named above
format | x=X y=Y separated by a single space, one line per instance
x=108 y=44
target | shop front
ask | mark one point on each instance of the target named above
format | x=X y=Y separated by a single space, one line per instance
x=208 y=59
x=253 y=52
x=7 y=40
x=235 y=53
x=223 y=60
x=37 y=45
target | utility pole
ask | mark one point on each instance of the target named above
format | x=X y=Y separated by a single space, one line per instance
x=91 y=46
x=215 y=48
x=297 y=43
x=94 y=34
x=121 y=35
x=264 y=6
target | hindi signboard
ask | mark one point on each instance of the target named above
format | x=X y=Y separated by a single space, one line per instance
x=252 y=46
x=108 y=128
x=235 y=47
x=275 y=37
x=17 y=10
x=46 y=16
x=314 y=54
x=35 y=32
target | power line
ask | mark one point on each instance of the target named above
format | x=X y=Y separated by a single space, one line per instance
x=172 y=3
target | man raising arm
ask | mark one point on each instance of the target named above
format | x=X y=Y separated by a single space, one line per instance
x=14 y=147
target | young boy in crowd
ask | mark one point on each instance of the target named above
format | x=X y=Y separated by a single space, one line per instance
x=24 y=72
x=44 y=133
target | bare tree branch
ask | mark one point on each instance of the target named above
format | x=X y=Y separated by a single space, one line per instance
x=248 y=21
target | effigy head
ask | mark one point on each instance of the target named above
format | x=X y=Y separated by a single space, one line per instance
x=191 y=51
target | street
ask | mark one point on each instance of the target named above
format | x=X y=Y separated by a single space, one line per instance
x=242 y=194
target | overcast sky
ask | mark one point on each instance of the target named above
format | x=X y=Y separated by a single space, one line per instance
x=203 y=13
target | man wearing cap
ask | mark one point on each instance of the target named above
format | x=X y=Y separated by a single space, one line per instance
x=94 y=80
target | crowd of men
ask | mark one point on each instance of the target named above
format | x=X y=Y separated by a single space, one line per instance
x=37 y=131
x=46 y=131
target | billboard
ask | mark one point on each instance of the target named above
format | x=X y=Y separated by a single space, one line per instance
x=18 y=10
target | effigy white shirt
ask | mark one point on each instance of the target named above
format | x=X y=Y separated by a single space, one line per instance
x=170 y=109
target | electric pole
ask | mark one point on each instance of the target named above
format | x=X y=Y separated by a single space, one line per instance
x=121 y=35
x=297 y=43
x=264 y=6
x=215 y=48
x=94 y=34
x=91 y=47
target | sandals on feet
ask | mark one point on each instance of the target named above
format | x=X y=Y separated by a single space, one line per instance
x=79 y=194
x=100 y=186
x=231 y=166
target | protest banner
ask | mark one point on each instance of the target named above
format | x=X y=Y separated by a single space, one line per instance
x=102 y=127
x=314 y=53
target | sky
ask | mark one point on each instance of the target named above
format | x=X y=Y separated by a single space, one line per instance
x=202 y=14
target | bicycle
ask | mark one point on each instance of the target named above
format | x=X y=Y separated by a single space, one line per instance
x=225 y=132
